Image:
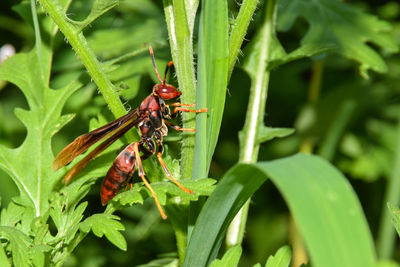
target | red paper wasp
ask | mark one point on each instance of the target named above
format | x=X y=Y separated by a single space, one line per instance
x=152 y=119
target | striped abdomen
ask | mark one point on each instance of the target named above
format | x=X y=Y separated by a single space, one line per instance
x=119 y=174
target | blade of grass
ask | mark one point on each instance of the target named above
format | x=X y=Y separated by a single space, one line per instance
x=326 y=210
x=212 y=74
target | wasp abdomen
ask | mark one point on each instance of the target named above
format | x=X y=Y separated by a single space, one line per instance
x=119 y=174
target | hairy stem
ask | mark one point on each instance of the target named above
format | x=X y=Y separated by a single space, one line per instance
x=180 y=37
x=239 y=30
x=78 y=42
x=180 y=16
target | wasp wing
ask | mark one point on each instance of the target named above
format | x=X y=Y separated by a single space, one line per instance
x=83 y=162
x=83 y=142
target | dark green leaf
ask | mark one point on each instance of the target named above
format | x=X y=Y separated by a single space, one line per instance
x=212 y=74
x=344 y=26
x=268 y=133
x=318 y=209
x=105 y=224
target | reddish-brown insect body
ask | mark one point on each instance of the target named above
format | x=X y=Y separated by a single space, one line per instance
x=152 y=118
x=118 y=175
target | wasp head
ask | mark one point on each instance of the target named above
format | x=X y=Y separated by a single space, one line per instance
x=166 y=91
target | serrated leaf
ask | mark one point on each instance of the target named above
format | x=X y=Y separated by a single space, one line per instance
x=164 y=190
x=42 y=122
x=281 y=258
x=11 y=215
x=37 y=254
x=105 y=224
x=344 y=26
x=19 y=245
x=230 y=259
x=99 y=8
x=277 y=55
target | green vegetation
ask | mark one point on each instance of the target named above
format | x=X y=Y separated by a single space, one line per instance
x=297 y=160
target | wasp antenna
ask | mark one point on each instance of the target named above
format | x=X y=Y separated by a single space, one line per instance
x=166 y=70
x=154 y=63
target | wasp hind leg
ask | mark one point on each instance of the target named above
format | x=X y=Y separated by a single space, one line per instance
x=146 y=183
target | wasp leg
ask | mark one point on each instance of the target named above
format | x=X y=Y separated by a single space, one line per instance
x=167 y=172
x=190 y=110
x=146 y=183
x=177 y=128
x=177 y=104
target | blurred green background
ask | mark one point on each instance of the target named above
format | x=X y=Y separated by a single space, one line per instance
x=367 y=111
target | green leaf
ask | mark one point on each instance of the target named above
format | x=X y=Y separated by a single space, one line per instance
x=319 y=210
x=19 y=245
x=268 y=133
x=99 y=8
x=344 y=26
x=164 y=190
x=212 y=74
x=280 y=259
x=3 y=257
x=230 y=259
x=105 y=224
x=395 y=212
x=11 y=215
x=387 y=263
x=42 y=121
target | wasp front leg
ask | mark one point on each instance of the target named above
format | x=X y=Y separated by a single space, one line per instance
x=184 y=108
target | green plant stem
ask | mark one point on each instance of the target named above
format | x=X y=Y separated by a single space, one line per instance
x=254 y=117
x=38 y=38
x=78 y=42
x=180 y=16
x=386 y=232
x=316 y=81
x=239 y=30
x=314 y=89
x=180 y=37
